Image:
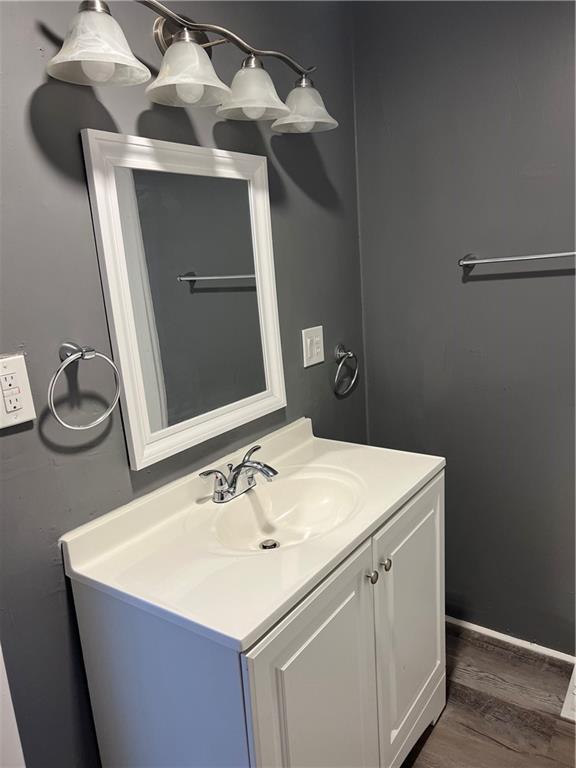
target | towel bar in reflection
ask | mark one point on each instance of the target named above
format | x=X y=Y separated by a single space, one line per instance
x=193 y=278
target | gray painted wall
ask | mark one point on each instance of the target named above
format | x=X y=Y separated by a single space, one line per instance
x=465 y=115
x=55 y=480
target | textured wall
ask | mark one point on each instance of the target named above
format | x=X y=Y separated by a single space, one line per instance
x=55 y=480
x=465 y=115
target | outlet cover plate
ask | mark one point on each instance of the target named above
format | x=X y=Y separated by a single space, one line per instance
x=16 y=404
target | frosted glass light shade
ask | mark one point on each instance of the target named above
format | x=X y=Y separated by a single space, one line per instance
x=187 y=78
x=96 y=52
x=307 y=113
x=252 y=97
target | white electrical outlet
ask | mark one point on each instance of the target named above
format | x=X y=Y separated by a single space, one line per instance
x=12 y=403
x=313 y=345
x=16 y=405
x=8 y=381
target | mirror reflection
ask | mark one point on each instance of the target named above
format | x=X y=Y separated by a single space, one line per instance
x=190 y=261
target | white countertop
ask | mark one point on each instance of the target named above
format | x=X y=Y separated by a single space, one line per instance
x=160 y=553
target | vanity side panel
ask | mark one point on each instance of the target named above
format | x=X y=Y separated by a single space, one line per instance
x=161 y=695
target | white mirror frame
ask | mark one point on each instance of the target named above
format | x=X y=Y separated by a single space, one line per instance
x=104 y=152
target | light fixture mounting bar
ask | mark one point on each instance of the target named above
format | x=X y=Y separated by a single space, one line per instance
x=183 y=21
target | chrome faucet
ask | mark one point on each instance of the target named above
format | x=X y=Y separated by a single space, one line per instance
x=240 y=478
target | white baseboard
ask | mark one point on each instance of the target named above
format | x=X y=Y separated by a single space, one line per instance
x=569 y=708
x=513 y=640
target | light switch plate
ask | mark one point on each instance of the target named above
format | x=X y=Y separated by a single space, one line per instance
x=313 y=345
x=16 y=404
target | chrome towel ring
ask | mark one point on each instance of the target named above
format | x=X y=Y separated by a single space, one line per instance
x=341 y=355
x=70 y=353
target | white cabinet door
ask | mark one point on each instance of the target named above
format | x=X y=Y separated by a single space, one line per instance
x=409 y=555
x=311 y=687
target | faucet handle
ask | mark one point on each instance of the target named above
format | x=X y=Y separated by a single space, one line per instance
x=221 y=481
x=249 y=453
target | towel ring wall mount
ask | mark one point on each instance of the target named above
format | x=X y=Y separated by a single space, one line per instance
x=342 y=355
x=71 y=353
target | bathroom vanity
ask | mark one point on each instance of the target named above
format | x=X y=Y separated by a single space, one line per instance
x=202 y=649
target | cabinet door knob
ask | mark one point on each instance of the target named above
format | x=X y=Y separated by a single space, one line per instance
x=372 y=577
x=386 y=564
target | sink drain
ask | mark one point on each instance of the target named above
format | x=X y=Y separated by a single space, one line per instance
x=269 y=544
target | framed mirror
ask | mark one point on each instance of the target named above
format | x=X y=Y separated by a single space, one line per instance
x=185 y=248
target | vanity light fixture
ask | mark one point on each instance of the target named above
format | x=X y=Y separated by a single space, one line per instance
x=252 y=95
x=307 y=111
x=95 y=52
x=187 y=76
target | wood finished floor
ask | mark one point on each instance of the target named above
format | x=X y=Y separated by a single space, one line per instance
x=503 y=709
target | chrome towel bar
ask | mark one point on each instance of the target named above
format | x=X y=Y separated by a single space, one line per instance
x=193 y=278
x=470 y=260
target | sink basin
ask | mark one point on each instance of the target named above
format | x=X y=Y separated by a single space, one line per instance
x=298 y=505
x=176 y=554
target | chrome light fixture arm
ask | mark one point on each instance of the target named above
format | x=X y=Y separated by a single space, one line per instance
x=229 y=36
